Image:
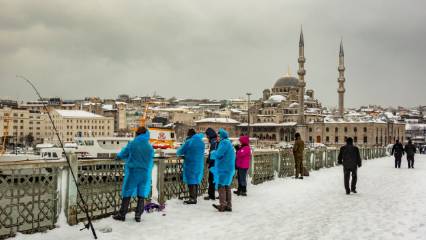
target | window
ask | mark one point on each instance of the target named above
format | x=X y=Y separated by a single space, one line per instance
x=327 y=139
x=365 y=139
x=327 y=129
x=336 y=139
x=355 y=129
x=310 y=138
x=365 y=129
x=346 y=129
x=336 y=130
x=310 y=129
x=355 y=139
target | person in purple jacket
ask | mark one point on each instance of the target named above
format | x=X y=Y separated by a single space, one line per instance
x=243 y=164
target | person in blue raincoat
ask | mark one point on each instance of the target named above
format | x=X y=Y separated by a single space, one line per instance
x=138 y=156
x=223 y=171
x=193 y=165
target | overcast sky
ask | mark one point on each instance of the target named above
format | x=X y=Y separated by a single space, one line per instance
x=213 y=49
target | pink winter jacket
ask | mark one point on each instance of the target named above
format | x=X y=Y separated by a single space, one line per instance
x=244 y=153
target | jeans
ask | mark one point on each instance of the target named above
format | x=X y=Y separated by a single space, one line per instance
x=398 y=162
x=242 y=177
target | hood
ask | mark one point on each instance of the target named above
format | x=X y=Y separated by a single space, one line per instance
x=143 y=137
x=223 y=134
x=244 y=140
x=198 y=135
x=210 y=133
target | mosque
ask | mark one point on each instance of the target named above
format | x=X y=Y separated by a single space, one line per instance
x=288 y=107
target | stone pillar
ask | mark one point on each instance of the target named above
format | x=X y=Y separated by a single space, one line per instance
x=71 y=190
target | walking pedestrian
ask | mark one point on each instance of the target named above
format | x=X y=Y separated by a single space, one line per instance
x=298 y=149
x=213 y=141
x=243 y=164
x=193 y=164
x=397 y=152
x=350 y=158
x=223 y=171
x=410 y=150
x=138 y=157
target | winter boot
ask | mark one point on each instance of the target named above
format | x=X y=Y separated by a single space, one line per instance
x=228 y=207
x=192 y=195
x=139 y=209
x=239 y=191
x=121 y=215
x=209 y=198
x=222 y=200
x=244 y=191
x=354 y=191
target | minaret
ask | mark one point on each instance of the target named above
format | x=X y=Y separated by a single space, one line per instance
x=301 y=72
x=341 y=80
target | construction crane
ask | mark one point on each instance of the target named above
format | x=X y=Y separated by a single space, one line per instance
x=6 y=120
x=163 y=138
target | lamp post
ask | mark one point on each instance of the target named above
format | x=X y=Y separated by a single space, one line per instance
x=248 y=114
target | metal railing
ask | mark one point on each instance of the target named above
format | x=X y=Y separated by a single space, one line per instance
x=32 y=193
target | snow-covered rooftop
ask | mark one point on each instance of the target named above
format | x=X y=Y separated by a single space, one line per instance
x=77 y=114
x=217 y=120
x=269 y=124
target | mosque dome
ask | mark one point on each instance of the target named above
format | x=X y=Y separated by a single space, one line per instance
x=276 y=99
x=286 y=81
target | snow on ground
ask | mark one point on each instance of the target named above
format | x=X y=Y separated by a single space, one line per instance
x=390 y=205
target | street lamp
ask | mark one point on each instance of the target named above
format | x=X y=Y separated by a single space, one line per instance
x=248 y=114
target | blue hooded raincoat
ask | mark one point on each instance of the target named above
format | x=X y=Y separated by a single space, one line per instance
x=138 y=156
x=193 y=164
x=224 y=156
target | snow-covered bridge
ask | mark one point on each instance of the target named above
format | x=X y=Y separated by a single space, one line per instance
x=390 y=204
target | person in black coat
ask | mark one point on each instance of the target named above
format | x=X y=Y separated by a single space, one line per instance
x=410 y=149
x=397 y=151
x=213 y=140
x=350 y=158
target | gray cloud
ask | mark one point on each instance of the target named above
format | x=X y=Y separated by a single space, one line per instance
x=212 y=49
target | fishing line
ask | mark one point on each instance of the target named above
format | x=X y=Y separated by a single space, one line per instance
x=89 y=225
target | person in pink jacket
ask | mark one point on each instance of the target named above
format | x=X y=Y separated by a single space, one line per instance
x=243 y=164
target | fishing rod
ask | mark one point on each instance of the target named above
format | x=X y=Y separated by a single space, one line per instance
x=89 y=225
